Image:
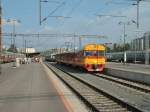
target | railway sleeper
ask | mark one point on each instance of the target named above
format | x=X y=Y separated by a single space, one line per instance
x=112 y=105
x=96 y=96
x=106 y=103
x=102 y=98
x=108 y=107
x=105 y=100
x=102 y=103
x=113 y=110
x=93 y=95
x=98 y=99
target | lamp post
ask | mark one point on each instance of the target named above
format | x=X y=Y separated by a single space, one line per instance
x=135 y=46
x=0 y=34
x=124 y=38
x=0 y=27
x=13 y=22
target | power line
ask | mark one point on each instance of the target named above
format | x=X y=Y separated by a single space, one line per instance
x=51 y=35
x=52 y=12
x=102 y=15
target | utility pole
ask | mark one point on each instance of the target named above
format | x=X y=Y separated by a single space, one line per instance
x=0 y=26
x=138 y=6
x=13 y=35
x=0 y=34
x=147 y=49
x=146 y=38
x=124 y=38
x=74 y=39
x=25 y=43
x=138 y=3
x=80 y=42
x=40 y=11
x=137 y=25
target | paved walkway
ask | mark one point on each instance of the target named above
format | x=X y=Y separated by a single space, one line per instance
x=141 y=68
x=29 y=89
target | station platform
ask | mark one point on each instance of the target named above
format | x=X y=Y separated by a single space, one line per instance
x=34 y=88
x=135 y=72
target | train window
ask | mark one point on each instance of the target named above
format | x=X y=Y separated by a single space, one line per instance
x=94 y=53
x=87 y=53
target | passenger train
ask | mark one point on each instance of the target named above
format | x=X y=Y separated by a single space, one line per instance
x=50 y=58
x=7 y=57
x=91 y=58
x=132 y=56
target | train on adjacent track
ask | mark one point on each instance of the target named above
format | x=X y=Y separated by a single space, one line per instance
x=132 y=56
x=91 y=58
x=7 y=57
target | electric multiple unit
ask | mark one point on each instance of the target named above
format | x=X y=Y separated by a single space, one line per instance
x=91 y=57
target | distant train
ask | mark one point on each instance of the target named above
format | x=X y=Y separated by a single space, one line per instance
x=50 y=58
x=132 y=56
x=7 y=57
x=91 y=58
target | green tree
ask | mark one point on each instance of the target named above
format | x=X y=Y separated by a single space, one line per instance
x=12 y=49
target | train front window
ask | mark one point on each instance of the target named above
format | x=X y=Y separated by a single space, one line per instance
x=93 y=53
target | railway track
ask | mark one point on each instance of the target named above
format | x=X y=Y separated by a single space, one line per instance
x=131 y=84
x=95 y=99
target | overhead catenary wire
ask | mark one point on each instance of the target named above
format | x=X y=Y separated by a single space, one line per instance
x=52 y=12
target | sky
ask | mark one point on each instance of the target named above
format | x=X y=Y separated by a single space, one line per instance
x=83 y=20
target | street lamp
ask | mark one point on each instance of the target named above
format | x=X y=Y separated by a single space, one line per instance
x=0 y=27
x=0 y=34
x=124 y=35
x=135 y=47
x=13 y=22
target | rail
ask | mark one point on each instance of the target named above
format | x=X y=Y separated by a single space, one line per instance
x=131 y=84
x=94 y=98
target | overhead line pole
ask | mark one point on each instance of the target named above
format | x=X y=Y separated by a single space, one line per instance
x=0 y=33
x=138 y=3
x=0 y=26
x=40 y=11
